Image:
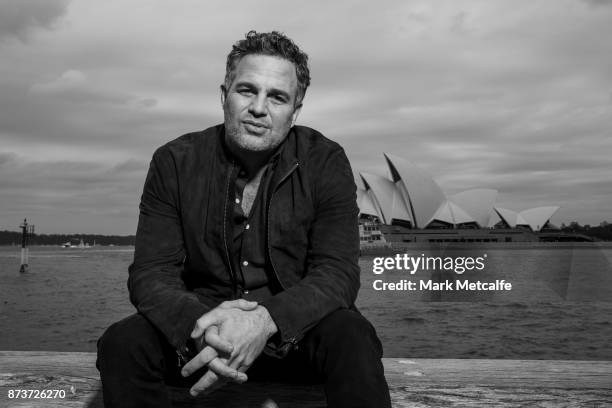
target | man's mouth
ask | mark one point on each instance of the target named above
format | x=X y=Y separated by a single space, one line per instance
x=255 y=127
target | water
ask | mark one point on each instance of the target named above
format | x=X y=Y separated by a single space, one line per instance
x=65 y=301
x=559 y=308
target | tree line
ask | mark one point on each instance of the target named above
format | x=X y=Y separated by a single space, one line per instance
x=14 y=238
x=602 y=232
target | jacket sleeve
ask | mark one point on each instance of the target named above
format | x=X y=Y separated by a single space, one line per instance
x=155 y=285
x=332 y=276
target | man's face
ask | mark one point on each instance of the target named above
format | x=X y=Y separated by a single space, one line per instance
x=260 y=104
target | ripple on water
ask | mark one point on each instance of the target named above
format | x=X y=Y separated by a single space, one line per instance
x=69 y=299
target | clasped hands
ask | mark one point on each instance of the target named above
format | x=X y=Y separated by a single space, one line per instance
x=229 y=337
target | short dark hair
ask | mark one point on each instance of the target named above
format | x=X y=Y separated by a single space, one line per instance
x=274 y=44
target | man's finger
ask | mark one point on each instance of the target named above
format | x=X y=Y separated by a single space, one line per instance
x=212 y=338
x=200 y=360
x=204 y=383
x=213 y=317
x=242 y=304
x=224 y=371
x=269 y=404
x=215 y=386
x=204 y=322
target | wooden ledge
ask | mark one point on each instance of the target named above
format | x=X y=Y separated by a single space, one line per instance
x=413 y=383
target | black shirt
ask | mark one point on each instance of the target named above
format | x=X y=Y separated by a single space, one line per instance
x=248 y=241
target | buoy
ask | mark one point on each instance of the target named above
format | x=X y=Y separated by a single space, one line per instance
x=26 y=231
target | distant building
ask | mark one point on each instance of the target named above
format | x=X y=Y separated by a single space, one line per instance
x=411 y=207
x=370 y=233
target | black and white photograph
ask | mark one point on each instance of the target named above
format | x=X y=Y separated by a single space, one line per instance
x=305 y=204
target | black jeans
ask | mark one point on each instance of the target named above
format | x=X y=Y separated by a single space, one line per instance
x=342 y=352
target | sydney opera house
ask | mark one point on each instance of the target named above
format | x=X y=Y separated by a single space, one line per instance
x=409 y=206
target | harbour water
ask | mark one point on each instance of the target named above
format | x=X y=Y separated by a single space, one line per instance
x=560 y=305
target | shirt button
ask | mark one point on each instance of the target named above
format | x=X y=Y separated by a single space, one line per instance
x=237 y=201
x=245 y=263
x=247 y=226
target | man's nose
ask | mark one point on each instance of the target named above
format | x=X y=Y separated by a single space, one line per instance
x=258 y=106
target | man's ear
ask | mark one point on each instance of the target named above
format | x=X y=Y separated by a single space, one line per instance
x=295 y=114
x=223 y=94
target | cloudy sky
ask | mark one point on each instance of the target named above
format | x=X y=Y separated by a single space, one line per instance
x=511 y=95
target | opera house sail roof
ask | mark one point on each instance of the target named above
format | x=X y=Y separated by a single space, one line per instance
x=410 y=195
x=386 y=198
x=534 y=218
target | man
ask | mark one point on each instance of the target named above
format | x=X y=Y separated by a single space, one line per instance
x=246 y=252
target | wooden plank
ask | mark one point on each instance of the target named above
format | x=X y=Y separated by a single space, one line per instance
x=501 y=373
x=413 y=383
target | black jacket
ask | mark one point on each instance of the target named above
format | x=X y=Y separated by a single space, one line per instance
x=312 y=242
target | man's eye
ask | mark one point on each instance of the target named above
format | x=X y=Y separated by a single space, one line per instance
x=245 y=91
x=278 y=99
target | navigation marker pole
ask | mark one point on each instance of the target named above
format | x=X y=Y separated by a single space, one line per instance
x=26 y=231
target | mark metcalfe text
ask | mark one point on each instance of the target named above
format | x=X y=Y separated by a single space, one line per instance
x=414 y=264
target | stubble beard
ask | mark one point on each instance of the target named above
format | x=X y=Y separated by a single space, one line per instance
x=241 y=140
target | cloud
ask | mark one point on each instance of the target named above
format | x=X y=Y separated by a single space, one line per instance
x=67 y=82
x=477 y=93
x=598 y=2
x=70 y=195
x=7 y=158
x=19 y=18
x=74 y=86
